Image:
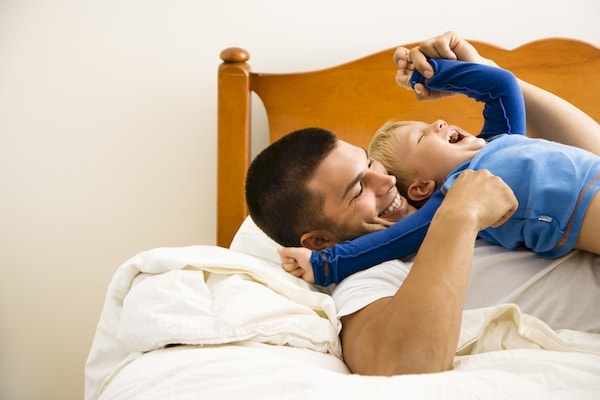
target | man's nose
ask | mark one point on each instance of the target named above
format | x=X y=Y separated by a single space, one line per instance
x=380 y=182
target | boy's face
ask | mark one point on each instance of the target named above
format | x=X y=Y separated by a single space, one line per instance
x=359 y=195
x=432 y=151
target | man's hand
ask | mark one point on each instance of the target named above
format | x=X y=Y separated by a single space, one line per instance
x=448 y=45
x=482 y=196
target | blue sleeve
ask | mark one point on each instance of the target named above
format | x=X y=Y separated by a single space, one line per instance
x=504 y=110
x=398 y=241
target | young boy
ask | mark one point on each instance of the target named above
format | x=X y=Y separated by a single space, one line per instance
x=556 y=185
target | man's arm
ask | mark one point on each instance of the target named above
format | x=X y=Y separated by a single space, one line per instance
x=553 y=118
x=417 y=330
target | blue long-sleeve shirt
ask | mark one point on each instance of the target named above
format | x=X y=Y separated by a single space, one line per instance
x=554 y=183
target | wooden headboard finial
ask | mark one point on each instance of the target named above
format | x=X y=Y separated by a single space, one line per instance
x=234 y=55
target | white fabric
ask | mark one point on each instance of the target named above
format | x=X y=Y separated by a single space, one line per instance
x=255 y=371
x=186 y=307
x=253 y=331
x=250 y=239
x=507 y=327
x=205 y=295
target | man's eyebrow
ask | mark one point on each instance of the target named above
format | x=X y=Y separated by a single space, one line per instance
x=355 y=180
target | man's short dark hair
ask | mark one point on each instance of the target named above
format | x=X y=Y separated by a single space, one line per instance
x=276 y=194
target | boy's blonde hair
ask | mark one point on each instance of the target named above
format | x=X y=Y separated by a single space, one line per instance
x=382 y=150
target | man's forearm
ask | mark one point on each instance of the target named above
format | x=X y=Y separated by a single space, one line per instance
x=417 y=330
x=436 y=291
x=553 y=118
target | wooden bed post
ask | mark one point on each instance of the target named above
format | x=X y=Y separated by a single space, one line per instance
x=233 y=137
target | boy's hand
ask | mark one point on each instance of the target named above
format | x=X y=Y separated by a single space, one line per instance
x=296 y=261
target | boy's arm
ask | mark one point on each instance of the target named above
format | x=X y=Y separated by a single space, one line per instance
x=504 y=110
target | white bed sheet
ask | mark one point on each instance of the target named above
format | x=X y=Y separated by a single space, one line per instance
x=256 y=371
x=249 y=330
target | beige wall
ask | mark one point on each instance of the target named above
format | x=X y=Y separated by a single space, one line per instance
x=107 y=137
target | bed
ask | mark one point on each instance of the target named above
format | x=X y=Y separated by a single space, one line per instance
x=225 y=322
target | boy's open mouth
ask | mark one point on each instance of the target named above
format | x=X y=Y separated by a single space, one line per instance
x=455 y=137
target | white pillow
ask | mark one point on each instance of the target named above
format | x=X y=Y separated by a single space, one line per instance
x=250 y=239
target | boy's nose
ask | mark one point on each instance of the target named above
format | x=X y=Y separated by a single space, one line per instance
x=439 y=125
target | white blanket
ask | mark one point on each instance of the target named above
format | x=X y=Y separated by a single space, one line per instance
x=256 y=371
x=207 y=295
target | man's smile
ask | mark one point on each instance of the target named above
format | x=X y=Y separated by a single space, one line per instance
x=396 y=210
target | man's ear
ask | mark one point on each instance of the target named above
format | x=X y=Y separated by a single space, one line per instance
x=318 y=240
x=421 y=190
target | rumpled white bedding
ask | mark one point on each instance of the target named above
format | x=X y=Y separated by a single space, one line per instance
x=210 y=295
x=258 y=371
x=253 y=331
x=205 y=295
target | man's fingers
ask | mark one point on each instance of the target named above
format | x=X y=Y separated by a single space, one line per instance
x=401 y=57
x=420 y=63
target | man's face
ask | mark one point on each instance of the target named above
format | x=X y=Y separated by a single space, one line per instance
x=359 y=195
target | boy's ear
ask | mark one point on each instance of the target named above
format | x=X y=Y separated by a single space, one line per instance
x=421 y=190
x=318 y=240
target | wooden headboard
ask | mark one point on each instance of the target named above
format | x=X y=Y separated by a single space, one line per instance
x=356 y=98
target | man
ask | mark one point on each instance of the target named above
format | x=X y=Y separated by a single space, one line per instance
x=340 y=194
